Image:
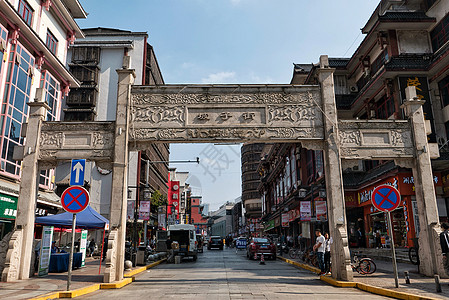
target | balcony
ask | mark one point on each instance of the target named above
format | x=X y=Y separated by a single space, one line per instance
x=82 y=97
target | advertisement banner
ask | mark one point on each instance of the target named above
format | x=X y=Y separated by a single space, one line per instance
x=144 y=210
x=269 y=225
x=8 y=206
x=293 y=215
x=305 y=209
x=285 y=220
x=83 y=244
x=161 y=220
x=130 y=210
x=321 y=210
x=44 y=260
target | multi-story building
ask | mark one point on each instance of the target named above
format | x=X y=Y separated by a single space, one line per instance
x=222 y=220
x=93 y=60
x=197 y=217
x=34 y=37
x=250 y=180
x=405 y=44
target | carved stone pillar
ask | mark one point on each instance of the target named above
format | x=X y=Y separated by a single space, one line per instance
x=430 y=254
x=116 y=254
x=341 y=261
x=18 y=258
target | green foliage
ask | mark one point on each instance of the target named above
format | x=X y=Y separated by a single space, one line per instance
x=157 y=199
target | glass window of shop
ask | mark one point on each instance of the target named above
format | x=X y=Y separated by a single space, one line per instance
x=379 y=230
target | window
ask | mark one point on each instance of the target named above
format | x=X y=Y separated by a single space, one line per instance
x=440 y=34
x=52 y=42
x=26 y=12
x=443 y=85
x=52 y=95
x=3 y=43
x=14 y=106
x=385 y=107
x=341 y=85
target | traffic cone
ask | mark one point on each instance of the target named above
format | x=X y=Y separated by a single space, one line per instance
x=262 y=260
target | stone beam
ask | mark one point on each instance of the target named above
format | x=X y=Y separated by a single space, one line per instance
x=225 y=113
x=63 y=141
x=375 y=139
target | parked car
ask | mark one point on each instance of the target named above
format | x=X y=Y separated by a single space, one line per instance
x=215 y=242
x=259 y=246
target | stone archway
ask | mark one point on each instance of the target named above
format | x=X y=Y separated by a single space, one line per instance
x=225 y=113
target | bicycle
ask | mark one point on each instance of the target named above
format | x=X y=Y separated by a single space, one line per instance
x=364 y=266
x=295 y=252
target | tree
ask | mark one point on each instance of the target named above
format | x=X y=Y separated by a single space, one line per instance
x=157 y=199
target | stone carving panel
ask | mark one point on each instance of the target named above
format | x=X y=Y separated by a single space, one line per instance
x=67 y=140
x=111 y=257
x=12 y=263
x=228 y=113
x=375 y=139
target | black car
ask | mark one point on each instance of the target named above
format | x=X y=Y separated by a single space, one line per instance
x=215 y=242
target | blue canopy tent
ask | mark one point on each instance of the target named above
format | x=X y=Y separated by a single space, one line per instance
x=87 y=219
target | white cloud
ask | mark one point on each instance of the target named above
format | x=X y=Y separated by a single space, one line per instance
x=220 y=77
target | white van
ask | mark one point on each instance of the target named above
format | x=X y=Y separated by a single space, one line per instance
x=185 y=235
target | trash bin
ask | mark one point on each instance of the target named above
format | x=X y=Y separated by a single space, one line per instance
x=140 y=256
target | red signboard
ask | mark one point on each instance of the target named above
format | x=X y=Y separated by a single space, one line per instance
x=285 y=220
x=173 y=196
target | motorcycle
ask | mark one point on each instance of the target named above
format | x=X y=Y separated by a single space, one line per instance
x=284 y=248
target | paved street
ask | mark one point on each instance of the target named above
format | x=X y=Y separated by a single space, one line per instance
x=227 y=275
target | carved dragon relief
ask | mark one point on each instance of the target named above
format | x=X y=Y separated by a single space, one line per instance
x=291 y=113
x=52 y=139
x=350 y=137
x=249 y=98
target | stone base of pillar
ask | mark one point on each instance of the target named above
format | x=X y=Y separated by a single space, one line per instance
x=4 y=246
x=341 y=269
x=12 y=262
x=111 y=258
x=428 y=256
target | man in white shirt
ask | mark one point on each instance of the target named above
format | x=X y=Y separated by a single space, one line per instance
x=319 y=247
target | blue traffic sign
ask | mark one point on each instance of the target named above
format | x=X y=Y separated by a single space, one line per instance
x=75 y=199
x=77 y=172
x=385 y=198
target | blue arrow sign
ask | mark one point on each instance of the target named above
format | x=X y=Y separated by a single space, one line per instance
x=77 y=172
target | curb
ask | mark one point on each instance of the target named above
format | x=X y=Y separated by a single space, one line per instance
x=128 y=278
x=361 y=286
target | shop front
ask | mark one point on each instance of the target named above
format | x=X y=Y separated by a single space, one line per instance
x=8 y=213
x=404 y=219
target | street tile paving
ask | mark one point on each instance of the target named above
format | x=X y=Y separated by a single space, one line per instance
x=229 y=274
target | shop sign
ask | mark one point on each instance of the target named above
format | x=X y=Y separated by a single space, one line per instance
x=321 y=210
x=293 y=215
x=365 y=195
x=251 y=227
x=45 y=251
x=277 y=222
x=8 y=206
x=83 y=244
x=305 y=210
x=130 y=210
x=144 y=210
x=407 y=183
x=350 y=200
x=269 y=225
x=285 y=220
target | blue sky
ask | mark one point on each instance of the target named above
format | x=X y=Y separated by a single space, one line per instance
x=233 y=41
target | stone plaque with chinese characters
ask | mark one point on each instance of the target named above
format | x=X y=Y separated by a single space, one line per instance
x=212 y=113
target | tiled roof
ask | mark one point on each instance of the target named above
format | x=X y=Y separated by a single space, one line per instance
x=404 y=16
x=338 y=62
x=408 y=62
x=303 y=68
x=355 y=179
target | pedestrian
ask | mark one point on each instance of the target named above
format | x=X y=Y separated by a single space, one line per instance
x=444 y=241
x=92 y=247
x=105 y=247
x=301 y=242
x=378 y=239
x=359 y=238
x=319 y=248
x=327 y=253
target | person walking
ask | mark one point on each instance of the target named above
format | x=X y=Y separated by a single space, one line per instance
x=444 y=241
x=327 y=253
x=319 y=248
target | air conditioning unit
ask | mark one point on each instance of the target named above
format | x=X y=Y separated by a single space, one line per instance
x=353 y=89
